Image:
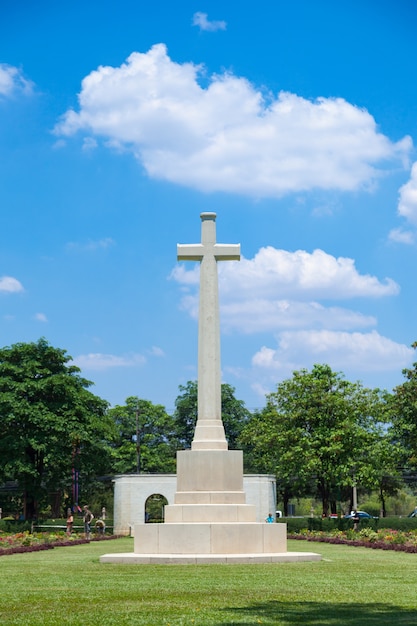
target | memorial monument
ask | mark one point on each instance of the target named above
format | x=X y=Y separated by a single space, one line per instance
x=209 y=521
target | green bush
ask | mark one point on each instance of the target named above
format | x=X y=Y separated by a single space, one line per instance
x=398 y=523
x=13 y=526
x=294 y=524
x=329 y=524
x=367 y=523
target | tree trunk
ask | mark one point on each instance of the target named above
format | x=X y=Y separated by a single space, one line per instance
x=30 y=506
x=285 y=500
x=55 y=499
x=383 y=505
x=325 y=497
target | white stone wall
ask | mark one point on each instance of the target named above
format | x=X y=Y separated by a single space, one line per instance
x=132 y=490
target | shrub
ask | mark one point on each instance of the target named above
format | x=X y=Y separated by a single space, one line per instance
x=398 y=523
x=10 y=525
x=294 y=524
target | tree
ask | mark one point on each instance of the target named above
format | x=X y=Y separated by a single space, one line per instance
x=144 y=438
x=51 y=426
x=381 y=470
x=234 y=414
x=314 y=433
x=404 y=417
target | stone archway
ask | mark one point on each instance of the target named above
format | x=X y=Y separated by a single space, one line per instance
x=154 y=508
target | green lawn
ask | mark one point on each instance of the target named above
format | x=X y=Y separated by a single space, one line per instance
x=350 y=586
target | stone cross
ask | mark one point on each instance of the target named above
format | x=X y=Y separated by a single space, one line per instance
x=209 y=432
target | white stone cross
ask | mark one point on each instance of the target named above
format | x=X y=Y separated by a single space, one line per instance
x=209 y=432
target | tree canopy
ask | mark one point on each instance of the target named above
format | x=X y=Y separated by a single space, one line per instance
x=234 y=414
x=318 y=433
x=404 y=418
x=315 y=434
x=50 y=423
x=144 y=439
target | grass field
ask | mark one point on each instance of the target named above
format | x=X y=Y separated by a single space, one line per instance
x=350 y=586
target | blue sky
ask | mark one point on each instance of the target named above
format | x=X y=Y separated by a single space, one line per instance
x=120 y=122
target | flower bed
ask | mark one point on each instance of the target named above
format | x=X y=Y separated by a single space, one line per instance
x=33 y=542
x=383 y=539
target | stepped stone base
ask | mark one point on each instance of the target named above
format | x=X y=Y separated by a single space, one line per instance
x=210 y=538
x=209 y=521
x=205 y=559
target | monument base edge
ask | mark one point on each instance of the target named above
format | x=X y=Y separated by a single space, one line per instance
x=133 y=558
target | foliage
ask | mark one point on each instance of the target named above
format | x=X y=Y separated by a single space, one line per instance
x=319 y=433
x=234 y=414
x=403 y=408
x=144 y=439
x=155 y=508
x=340 y=523
x=35 y=541
x=8 y=525
x=398 y=523
x=294 y=524
x=49 y=422
x=367 y=537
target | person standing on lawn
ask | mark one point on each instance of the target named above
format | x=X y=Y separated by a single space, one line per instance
x=87 y=519
x=70 y=521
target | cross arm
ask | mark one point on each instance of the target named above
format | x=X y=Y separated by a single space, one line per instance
x=190 y=252
x=227 y=252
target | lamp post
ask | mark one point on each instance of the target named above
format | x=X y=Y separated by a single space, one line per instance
x=354 y=497
x=354 y=491
x=137 y=440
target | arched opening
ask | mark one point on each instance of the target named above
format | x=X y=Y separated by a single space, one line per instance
x=154 y=508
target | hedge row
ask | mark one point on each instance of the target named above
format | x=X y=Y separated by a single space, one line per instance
x=296 y=524
x=14 y=526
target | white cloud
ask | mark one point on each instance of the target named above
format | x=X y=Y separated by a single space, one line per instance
x=41 y=317
x=89 y=144
x=407 y=205
x=361 y=352
x=156 y=351
x=229 y=136
x=302 y=274
x=402 y=236
x=185 y=276
x=91 y=245
x=201 y=20
x=254 y=316
x=59 y=144
x=278 y=290
x=407 y=208
x=8 y=284
x=290 y=294
x=98 y=361
x=12 y=81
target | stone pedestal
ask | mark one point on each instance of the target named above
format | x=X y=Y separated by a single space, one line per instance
x=210 y=488
x=210 y=521
x=243 y=538
x=210 y=514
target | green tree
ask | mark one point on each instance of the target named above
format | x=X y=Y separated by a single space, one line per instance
x=50 y=423
x=144 y=438
x=234 y=414
x=314 y=434
x=381 y=470
x=404 y=418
